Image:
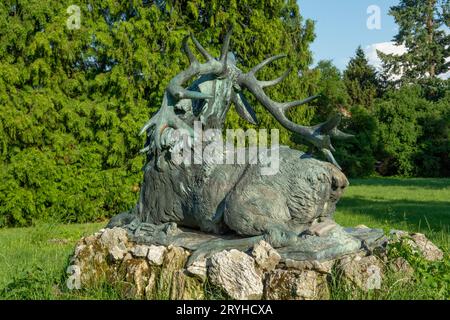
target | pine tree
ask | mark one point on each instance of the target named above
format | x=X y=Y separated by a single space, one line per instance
x=421 y=30
x=360 y=79
x=334 y=95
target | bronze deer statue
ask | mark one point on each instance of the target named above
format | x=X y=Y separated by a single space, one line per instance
x=233 y=198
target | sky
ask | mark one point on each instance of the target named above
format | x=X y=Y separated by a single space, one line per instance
x=341 y=26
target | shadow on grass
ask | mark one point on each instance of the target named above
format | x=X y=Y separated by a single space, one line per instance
x=420 y=214
x=425 y=183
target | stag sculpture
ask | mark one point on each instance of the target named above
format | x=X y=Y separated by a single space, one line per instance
x=234 y=199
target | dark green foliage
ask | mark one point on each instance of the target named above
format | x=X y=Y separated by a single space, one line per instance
x=360 y=79
x=332 y=98
x=413 y=133
x=433 y=159
x=414 y=121
x=403 y=132
x=398 y=115
x=334 y=95
x=357 y=156
x=73 y=101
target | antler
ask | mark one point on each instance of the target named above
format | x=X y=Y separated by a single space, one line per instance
x=166 y=116
x=318 y=135
x=212 y=66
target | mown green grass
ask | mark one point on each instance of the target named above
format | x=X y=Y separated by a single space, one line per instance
x=418 y=205
x=33 y=260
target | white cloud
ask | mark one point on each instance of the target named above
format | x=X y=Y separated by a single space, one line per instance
x=385 y=47
x=389 y=48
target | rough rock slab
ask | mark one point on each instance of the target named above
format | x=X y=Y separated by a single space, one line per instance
x=322 y=228
x=418 y=242
x=155 y=255
x=427 y=248
x=198 y=269
x=266 y=257
x=295 y=285
x=363 y=272
x=235 y=272
x=333 y=241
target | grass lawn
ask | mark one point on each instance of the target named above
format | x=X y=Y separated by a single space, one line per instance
x=33 y=260
x=420 y=205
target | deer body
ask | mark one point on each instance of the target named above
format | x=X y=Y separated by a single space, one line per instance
x=238 y=198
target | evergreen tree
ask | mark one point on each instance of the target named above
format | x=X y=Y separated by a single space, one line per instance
x=334 y=96
x=72 y=101
x=421 y=30
x=360 y=79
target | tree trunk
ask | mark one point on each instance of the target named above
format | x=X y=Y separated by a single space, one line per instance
x=430 y=29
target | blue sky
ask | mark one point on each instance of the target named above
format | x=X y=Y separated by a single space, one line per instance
x=341 y=26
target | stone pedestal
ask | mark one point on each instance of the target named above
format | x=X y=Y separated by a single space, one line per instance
x=154 y=271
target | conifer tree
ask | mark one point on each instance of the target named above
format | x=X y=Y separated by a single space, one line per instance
x=360 y=79
x=422 y=30
x=72 y=101
x=334 y=95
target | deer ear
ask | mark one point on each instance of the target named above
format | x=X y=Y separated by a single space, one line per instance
x=243 y=108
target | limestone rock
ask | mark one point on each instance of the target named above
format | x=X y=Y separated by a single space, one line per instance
x=140 y=251
x=88 y=262
x=174 y=260
x=418 y=242
x=198 y=268
x=113 y=237
x=235 y=273
x=153 y=272
x=427 y=248
x=363 y=272
x=115 y=241
x=118 y=252
x=295 y=285
x=266 y=257
x=402 y=268
x=155 y=254
x=137 y=274
x=159 y=272
x=185 y=287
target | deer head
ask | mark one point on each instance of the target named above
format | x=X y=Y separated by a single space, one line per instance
x=166 y=119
